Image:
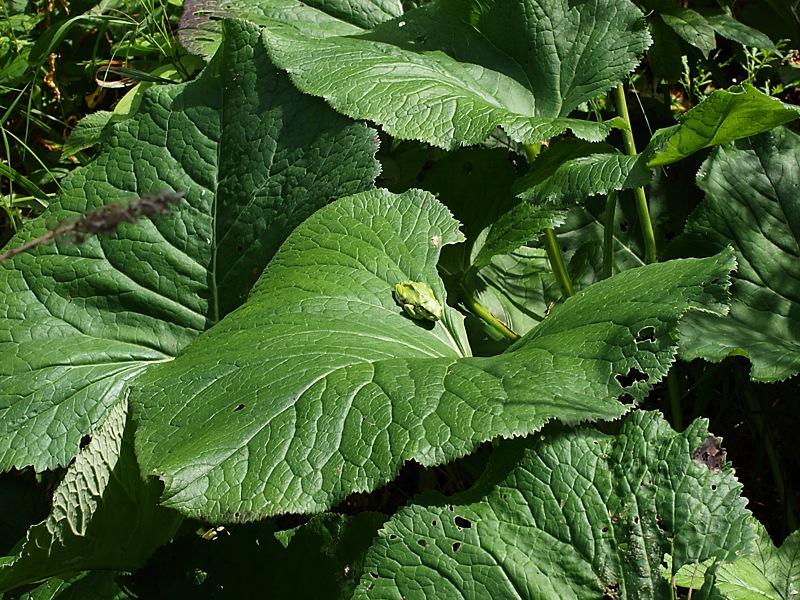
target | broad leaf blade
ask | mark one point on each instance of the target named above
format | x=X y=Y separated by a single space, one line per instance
x=729 y=28
x=576 y=170
x=78 y=322
x=724 y=116
x=752 y=204
x=768 y=572
x=581 y=515
x=201 y=31
x=320 y=386
x=692 y=27
x=104 y=515
x=469 y=67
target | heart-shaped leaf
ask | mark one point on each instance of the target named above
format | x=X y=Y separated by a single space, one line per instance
x=78 y=322
x=320 y=385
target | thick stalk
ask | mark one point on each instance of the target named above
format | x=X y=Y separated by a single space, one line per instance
x=550 y=243
x=557 y=263
x=480 y=311
x=608 y=235
x=638 y=193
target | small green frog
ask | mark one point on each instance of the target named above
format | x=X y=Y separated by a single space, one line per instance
x=418 y=300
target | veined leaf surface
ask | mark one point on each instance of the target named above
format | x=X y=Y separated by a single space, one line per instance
x=79 y=322
x=320 y=385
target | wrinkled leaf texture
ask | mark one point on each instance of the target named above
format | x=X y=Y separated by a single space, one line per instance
x=79 y=323
x=752 y=204
x=580 y=514
x=451 y=71
x=320 y=386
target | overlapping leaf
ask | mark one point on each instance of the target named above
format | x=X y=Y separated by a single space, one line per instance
x=201 y=29
x=103 y=517
x=581 y=515
x=78 y=322
x=451 y=71
x=767 y=572
x=752 y=204
x=320 y=386
x=724 y=116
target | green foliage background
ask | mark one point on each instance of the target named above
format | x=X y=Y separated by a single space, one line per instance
x=216 y=401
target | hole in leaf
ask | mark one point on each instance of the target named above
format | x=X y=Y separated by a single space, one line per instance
x=605 y=530
x=456 y=546
x=634 y=375
x=611 y=591
x=238 y=408
x=392 y=537
x=85 y=441
x=450 y=508
x=373 y=574
x=239 y=248
x=422 y=543
x=646 y=334
x=463 y=523
x=710 y=454
x=433 y=522
x=713 y=487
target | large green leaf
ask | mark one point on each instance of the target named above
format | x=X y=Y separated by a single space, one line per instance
x=320 y=386
x=78 y=322
x=562 y=176
x=724 y=116
x=576 y=169
x=104 y=516
x=769 y=573
x=691 y=26
x=581 y=515
x=728 y=27
x=752 y=204
x=201 y=30
x=451 y=71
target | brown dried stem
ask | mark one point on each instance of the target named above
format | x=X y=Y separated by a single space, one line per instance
x=104 y=220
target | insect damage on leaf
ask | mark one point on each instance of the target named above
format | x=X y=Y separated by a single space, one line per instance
x=710 y=454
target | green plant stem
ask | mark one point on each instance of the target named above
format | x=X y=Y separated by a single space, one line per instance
x=673 y=389
x=638 y=193
x=557 y=264
x=480 y=311
x=550 y=243
x=774 y=462
x=608 y=235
